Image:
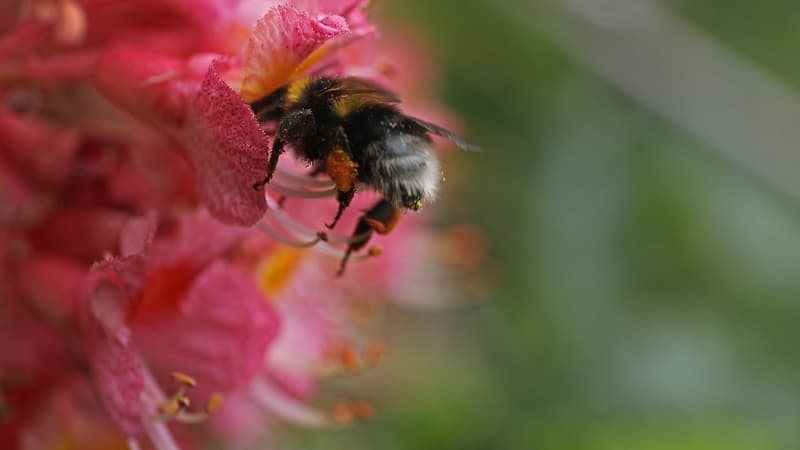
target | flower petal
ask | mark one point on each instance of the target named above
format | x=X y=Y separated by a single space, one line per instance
x=117 y=370
x=219 y=337
x=198 y=239
x=228 y=151
x=119 y=379
x=40 y=148
x=281 y=41
x=137 y=234
x=148 y=84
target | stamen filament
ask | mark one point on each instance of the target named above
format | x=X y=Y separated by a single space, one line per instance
x=285 y=240
x=306 y=234
x=287 y=408
x=300 y=180
x=337 y=239
x=289 y=192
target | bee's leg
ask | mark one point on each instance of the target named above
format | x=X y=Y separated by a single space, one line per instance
x=344 y=198
x=344 y=174
x=381 y=219
x=274 y=154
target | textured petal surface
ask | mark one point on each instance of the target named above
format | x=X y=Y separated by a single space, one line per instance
x=281 y=41
x=228 y=151
x=220 y=335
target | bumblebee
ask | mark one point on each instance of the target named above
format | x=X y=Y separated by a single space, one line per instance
x=352 y=130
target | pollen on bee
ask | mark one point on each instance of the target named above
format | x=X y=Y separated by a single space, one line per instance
x=342 y=170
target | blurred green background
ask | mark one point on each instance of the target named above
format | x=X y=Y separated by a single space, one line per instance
x=647 y=285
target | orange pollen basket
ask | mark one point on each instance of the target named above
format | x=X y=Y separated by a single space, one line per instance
x=342 y=170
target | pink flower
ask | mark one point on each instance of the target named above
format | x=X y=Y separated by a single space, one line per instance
x=143 y=277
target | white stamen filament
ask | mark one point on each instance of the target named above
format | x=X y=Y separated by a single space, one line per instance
x=286 y=240
x=156 y=429
x=296 y=179
x=159 y=435
x=291 y=363
x=290 y=192
x=286 y=407
x=336 y=239
x=304 y=234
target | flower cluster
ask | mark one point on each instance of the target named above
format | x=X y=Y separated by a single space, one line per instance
x=143 y=282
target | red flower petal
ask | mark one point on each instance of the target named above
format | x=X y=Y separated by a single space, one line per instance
x=119 y=380
x=219 y=336
x=228 y=151
x=148 y=84
x=281 y=41
x=137 y=235
x=197 y=240
x=116 y=369
x=42 y=149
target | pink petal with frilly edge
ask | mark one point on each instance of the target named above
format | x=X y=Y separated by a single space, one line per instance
x=116 y=369
x=281 y=41
x=107 y=294
x=219 y=337
x=228 y=151
x=119 y=378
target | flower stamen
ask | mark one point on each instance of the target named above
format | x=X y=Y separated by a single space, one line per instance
x=346 y=356
x=305 y=236
x=287 y=240
x=374 y=353
x=286 y=191
x=212 y=404
x=297 y=180
x=345 y=412
x=184 y=379
x=177 y=406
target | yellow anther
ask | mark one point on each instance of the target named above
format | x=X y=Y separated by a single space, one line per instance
x=345 y=412
x=184 y=379
x=214 y=402
x=171 y=408
x=374 y=352
x=184 y=402
x=341 y=413
x=362 y=410
x=375 y=251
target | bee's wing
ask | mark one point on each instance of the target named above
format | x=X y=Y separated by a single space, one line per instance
x=454 y=138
